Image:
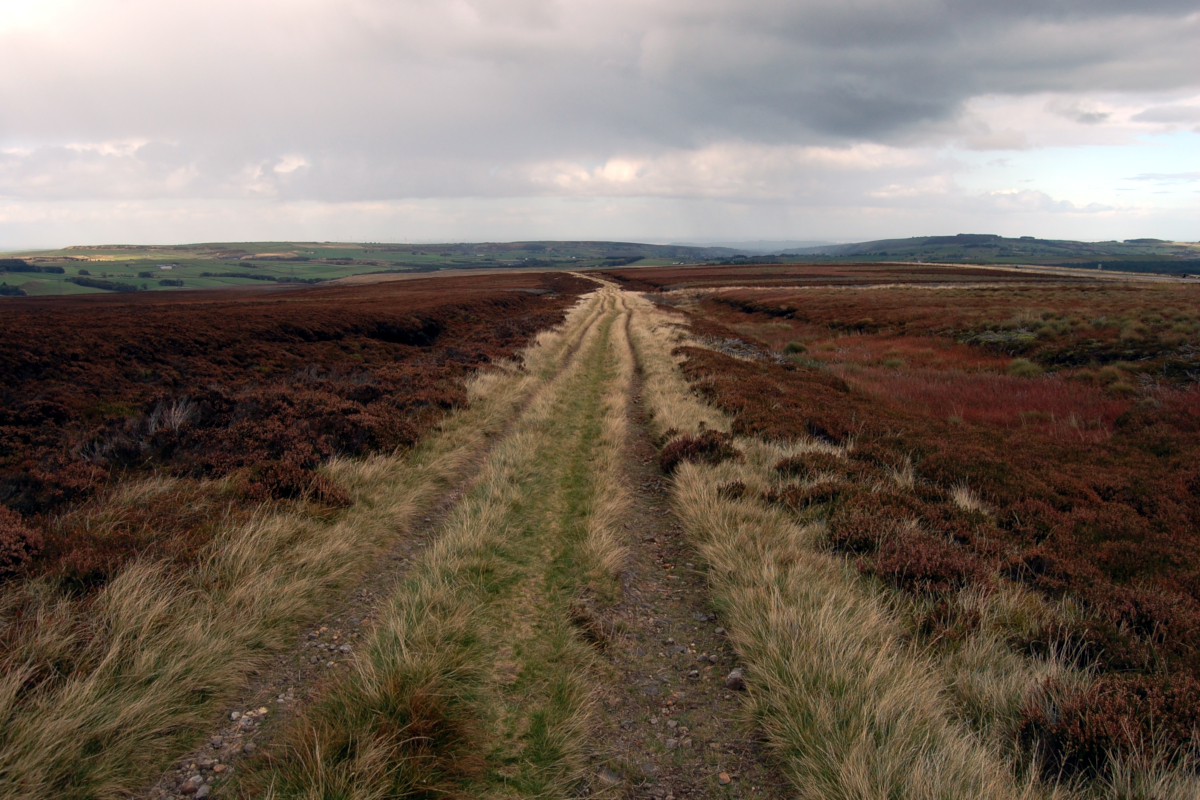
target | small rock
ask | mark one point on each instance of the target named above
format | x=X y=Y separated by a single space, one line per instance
x=724 y=779
x=344 y=648
x=702 y=658
x=192 y=784
x=672 y=724
x=248 y=748
x=355 y=622
x=263 y=710
x=649 y=768
x=671 y=744
x=330 y=665
x=235 y=715
x=202 y=792
x=216 y=741
x=719 y=631
x=654 y=720
x=686 y=743
x=735 y=680
x=219 y=768
x=694 y=674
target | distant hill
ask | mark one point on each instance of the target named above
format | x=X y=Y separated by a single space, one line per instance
x=1131 y=255
x=757 y=246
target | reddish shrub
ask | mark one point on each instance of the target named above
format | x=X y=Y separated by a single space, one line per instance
x=285 y=480
x=710 y=447
x=18 y=543
x=807 y=466
x=798 y=497
x=914 y=561
x=1078 y=730
x=862 y=522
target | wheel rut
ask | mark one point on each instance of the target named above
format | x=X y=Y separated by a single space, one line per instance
x=669 y=726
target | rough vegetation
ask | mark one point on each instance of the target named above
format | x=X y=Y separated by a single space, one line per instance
x=1082 y=489
x=258 y=390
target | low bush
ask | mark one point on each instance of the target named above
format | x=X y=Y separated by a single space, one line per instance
x=709 y=447
x=1078 y=730
x=18 y=543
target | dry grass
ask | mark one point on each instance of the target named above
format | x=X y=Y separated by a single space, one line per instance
x=98 y=696
x=487 y=621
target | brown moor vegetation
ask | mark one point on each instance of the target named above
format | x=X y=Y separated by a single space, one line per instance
x=262 y=388
x=1042 y=435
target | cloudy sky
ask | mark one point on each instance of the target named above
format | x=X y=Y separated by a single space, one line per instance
x=651 y=120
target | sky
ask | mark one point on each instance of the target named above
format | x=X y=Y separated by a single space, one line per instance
x=139 y=121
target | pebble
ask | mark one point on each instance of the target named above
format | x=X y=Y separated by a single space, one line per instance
x=735 y=680
x=192 y=785
x=249 y=748
x=694 y=674
x=724 y=779
x=671 y=744
x=344 y=648
x=719 y=631
x=672 y=724
x=202 y=792
x=235 y=715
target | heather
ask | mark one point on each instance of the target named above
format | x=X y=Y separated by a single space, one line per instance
x=1072 y=472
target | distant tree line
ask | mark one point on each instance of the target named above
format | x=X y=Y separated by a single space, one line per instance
x=21 y=265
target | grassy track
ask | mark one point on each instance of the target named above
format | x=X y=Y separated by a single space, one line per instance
x=476 y=677
x=95 y=700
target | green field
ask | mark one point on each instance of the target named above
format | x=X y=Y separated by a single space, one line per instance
x=115 y=268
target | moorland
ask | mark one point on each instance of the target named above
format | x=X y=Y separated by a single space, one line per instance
x=817 y=530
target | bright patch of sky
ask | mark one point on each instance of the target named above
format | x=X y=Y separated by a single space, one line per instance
x=1151 y=171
